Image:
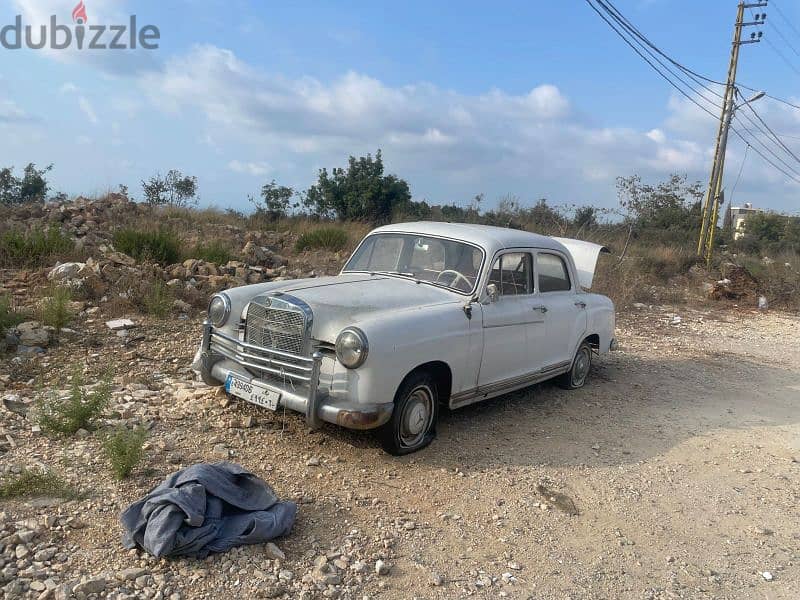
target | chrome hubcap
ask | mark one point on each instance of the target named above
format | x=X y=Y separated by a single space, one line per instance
x=416 y=418
x=581 y=369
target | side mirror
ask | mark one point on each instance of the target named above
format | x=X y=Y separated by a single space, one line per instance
x=492 y=292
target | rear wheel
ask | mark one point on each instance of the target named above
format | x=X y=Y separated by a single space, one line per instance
x=581 y=365
x=413 y=422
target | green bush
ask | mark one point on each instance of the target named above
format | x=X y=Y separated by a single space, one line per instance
x=123 y=448
x=55 y=310
x=214 y=251
x=326 y=238
x=32 y=484
x=65 y=416
x=157 y=299
x=161 y=245
x=33 y=248
x=9 y=316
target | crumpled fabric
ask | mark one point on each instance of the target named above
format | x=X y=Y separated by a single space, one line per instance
x=206 y=508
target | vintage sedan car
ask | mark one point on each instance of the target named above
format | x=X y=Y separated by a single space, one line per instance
x=422 y=314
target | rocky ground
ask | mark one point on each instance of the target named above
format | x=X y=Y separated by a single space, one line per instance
x=673 y=474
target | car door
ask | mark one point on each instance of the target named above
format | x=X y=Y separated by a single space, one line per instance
x=511 y=321
x=565 y=312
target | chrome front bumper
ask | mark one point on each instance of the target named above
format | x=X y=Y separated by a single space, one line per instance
x=295 y=377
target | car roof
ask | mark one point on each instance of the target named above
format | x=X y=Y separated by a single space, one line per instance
x=490 y=238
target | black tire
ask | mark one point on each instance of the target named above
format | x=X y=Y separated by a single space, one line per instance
x=413 y=422
x=581 y=365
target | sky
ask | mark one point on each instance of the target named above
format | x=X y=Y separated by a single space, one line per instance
x=530 y=99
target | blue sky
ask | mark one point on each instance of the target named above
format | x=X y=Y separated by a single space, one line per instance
x=525 y=98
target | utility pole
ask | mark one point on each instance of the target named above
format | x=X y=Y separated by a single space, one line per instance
x=713 y=196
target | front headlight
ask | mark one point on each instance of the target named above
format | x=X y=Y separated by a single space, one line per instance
x=352 y=347
x=219 y=309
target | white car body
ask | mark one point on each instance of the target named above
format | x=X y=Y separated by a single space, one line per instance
x=475 y=344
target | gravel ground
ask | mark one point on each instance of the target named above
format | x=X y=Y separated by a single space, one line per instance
x=672 y=474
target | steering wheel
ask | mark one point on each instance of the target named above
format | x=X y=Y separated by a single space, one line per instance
x=456 y=277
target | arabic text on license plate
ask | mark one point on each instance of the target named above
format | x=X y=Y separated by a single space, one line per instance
x=252 y=392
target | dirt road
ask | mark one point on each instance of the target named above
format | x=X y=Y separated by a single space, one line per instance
x=679 y=458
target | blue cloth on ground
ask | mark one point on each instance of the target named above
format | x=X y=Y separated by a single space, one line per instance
x=206 y=508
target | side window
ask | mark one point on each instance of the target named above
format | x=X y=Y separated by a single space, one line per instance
x=552 y=273
x=511 y=273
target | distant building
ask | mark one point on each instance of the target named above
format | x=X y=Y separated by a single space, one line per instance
x=736 y=217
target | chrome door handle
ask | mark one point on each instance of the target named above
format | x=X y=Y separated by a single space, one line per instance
x=541 y=308
x=580 y=304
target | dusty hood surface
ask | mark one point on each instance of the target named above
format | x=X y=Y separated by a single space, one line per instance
x=354 y=297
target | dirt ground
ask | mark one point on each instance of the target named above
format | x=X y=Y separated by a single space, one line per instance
x=673 y=474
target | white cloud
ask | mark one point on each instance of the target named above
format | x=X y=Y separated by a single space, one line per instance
x=11 y=113
x=88 y=110
x=438 y=139
x=256 y=169
x=68 y=88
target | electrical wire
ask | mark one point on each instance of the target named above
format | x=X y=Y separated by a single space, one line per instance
x=774 y=48
x=738 y=117
x=772 y=133
x=649 y=62
x=691 y=73
x=615 y=13
x=609 y=9
x=739 y=176
x=784 y=17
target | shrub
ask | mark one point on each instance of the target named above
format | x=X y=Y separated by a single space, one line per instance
x=55 y=310
x=9 y=316
x=215 y=251
x=33 y=248
x=327 y=238
x=160 y=246
x=123 y=448
x=65 y=416
x=157 y=299
x=31 y=484
x=175 y=189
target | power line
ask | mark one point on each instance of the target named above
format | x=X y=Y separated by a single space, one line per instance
x=609 y=7
x=699 y=78
x=649 y=62
x=767 y=148
x=785 y=18
x=772 y=133
x=761 y=154
x=739 y=176
x=774 y=48
x=613 y=21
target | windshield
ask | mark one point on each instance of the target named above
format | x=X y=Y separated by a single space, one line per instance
x=447 y=263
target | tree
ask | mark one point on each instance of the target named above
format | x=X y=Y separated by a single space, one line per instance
x=31 y=187
x=673 y=204
x=770 y=232
x=360 y=192
x=585 y=217
x=275 y=201
x=176 y=189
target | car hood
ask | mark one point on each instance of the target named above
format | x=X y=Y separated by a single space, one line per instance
x=353 y=298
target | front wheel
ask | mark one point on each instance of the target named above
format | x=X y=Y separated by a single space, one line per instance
x=413 y=422
x=581 y=365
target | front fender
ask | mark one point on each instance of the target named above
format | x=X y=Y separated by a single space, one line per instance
x=399 y=344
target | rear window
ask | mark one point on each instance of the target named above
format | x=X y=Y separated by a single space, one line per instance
x=552 y=273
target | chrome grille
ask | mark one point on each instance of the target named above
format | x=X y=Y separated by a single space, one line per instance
x=278 y=325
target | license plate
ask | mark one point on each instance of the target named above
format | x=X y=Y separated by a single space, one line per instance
x=253 y=392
